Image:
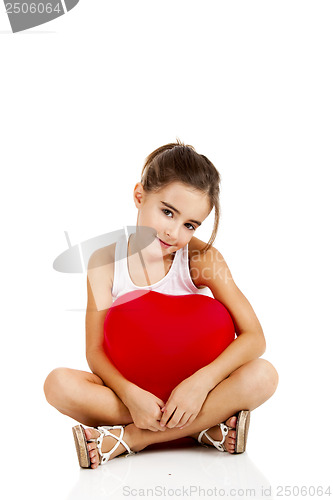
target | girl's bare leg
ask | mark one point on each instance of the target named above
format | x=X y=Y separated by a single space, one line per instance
x=246 y=388
x=84 y=397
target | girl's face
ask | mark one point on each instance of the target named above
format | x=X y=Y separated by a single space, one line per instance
x=174 y=212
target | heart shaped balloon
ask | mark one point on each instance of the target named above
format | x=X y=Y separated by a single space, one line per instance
x=157 y=340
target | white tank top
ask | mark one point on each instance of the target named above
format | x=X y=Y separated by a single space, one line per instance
x=177 y=281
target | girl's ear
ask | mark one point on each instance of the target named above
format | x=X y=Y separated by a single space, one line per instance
x=138 y=194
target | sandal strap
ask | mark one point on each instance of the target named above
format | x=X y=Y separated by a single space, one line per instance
x=218 y=444
x=104 y=431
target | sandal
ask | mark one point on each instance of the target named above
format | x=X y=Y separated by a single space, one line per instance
x=242 y=429
x=82 y=448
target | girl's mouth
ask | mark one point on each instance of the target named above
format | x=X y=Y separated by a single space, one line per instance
x=165 y=245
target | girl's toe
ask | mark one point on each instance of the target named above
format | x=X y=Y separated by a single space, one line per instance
x=231 y=422
x=230 y=445
x=88 y=433
x=91 y=433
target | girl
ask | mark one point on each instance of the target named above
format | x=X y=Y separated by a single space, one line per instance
x=180 y=372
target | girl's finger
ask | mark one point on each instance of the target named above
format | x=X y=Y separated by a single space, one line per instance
x=161 y=403
x=175 y=419
x=183 y=420
x=189 y=422
x=158 y=427
x=166 y=415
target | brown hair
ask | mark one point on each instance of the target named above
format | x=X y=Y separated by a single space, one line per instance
x=177 y=162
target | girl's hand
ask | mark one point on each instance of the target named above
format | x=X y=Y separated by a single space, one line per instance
x=145 y=408
x=184 y=403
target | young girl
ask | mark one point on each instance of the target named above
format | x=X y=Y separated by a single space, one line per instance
x=162 y=315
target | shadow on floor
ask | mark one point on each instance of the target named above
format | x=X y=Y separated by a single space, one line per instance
x=181 y=468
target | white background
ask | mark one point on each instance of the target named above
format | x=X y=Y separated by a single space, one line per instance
x=84 y=99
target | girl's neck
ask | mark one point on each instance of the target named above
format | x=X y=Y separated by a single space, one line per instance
x=142 y=262
x=135 y=249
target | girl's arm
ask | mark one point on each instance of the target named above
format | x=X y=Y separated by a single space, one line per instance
x=213 y=272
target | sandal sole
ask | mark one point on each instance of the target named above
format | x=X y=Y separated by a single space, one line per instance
x=242 y=429
x=81 y=446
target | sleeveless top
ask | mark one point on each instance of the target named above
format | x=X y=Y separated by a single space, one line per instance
x=177 y=281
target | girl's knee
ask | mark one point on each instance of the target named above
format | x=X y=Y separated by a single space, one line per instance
x=55 y=384
x=259 y=375
x=267 y=374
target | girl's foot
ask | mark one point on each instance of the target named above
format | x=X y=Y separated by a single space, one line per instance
x=215 y=433
x=109 y=442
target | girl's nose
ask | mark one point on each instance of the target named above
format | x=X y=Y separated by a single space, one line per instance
x=172 y=234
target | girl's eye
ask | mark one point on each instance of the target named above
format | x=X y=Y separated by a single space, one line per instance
x=192 y=228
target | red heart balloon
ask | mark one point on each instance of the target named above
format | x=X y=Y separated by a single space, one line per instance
x=157 y=340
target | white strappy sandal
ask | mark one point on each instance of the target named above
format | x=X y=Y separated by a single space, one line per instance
x=242 y=429
x=82 y=448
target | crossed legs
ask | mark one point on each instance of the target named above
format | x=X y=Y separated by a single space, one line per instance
x=83 y=397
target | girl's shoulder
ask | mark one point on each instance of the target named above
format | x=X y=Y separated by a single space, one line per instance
x=205 y=266
x=100 y=270
x=195 y=245
x=103 y=257
x=196 y=255
x=210 y=269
